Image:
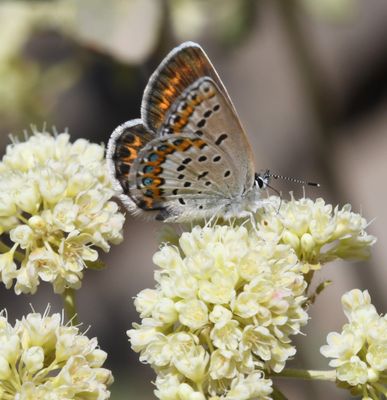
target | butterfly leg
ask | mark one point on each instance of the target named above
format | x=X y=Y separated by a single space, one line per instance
x=209 y=222
x=214 y=217
x=253 y=222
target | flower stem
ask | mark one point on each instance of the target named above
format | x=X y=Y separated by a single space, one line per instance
x=307 y=374
x=16 y=254
x=70 y=307
x=278 y=395
x=4 y=248
x=382 y=389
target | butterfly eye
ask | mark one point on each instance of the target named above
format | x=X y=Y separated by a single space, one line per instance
x=148 y=169
x=192 y=97
x=182 y=106
x=260 y=181
x=153 y=157
x=178 y=142
x=163 y=147
x=205 y=87
x=147 y=181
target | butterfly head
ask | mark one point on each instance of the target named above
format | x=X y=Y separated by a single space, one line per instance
x=262 y=179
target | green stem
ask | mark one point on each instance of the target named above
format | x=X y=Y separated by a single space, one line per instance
x=4 y=248
x=17 y=255
x=22 y=219
x=70 y=306
x=382 y=389
x=277 y=394
x=311 y=375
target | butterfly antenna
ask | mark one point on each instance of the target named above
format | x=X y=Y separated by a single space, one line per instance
x=295 y=180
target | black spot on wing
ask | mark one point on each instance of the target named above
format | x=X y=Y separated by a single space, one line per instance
x=201 y=123
x=221 y=138
x=202 y=175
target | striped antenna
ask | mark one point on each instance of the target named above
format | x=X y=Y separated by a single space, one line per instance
x=295 y=180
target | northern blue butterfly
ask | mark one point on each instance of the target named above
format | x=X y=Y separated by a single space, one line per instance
x=188 y=156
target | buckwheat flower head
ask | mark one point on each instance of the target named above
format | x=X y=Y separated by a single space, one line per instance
x=40 y=358
x=55 y=210
x=221 y=315
x=359 y=352
x=318 y=232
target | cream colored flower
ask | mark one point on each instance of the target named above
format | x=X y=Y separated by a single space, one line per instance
x=229 y=298
x=193 y=313
x=193 y=365
x=252 y=387
x=222 y=313
x=40 y=358
x=359 y=352
x=146 y=301
x=55 y=207
x=316 y=231
x=169 y=387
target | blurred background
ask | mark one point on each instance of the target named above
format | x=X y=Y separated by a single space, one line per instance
x=309 y=80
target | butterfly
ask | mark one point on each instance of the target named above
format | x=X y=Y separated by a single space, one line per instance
x=188 y=157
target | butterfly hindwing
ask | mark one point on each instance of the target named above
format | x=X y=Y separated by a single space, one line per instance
x=123 y=148
x=179 y=174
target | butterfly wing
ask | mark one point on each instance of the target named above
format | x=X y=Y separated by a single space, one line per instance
x=123 y=148
x=187 y=115
x=177 y=177
x=186 y=95
x=202 y=110
x=183 y=66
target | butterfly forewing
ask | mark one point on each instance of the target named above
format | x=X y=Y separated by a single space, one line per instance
x=202 y=110
x=180 y=68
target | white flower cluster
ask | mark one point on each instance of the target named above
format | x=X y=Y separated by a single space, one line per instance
x=359 y=352
x=42 y=359
x=317 y=232
x=222 y=314
x=55 y=210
